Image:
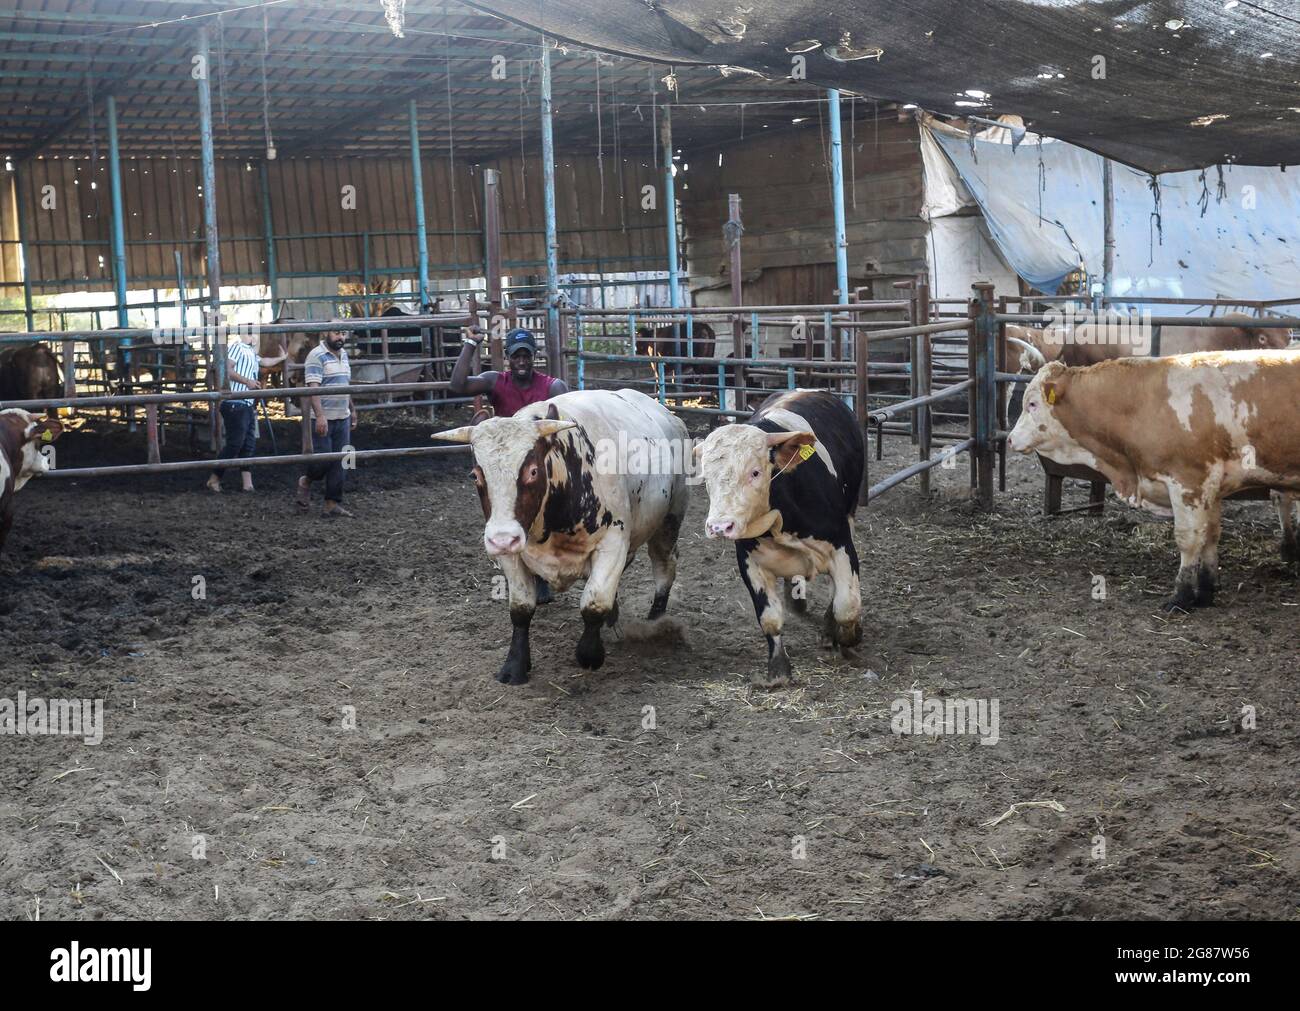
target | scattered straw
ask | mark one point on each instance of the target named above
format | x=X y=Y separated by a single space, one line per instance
x=1051 y=805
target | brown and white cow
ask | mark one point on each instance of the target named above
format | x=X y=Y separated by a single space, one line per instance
x=1174 y=436
x=22 y=434
x=1064 y=345
x=29 y=372
x=784 y=486
x=571 y=488
x=272 y=345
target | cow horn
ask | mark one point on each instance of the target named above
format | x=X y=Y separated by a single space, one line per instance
x=545 y=426
x=455 y=434
x=1033 y=351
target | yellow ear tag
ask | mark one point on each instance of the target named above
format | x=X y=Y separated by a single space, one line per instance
x=805 y=452
x=1051 y=396
x=47 y=436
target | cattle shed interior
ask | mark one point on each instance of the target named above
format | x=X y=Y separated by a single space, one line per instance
x=313 y=109
x=859 y=312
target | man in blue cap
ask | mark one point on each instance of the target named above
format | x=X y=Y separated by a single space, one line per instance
x=507 y=391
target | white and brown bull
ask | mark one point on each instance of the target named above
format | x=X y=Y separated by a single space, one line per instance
x=563 y=501
x=784 y=486
x=1174 y=436
x=22 y=435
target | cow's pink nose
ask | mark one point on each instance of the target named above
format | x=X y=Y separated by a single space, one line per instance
x=506 y=544
x=722 y=528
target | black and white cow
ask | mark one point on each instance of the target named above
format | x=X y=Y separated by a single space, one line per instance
x=22 y=434
x=571 y=488
x=784 y=486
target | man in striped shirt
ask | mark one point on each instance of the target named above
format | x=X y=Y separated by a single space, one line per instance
x=242 y=364
x=334 y=418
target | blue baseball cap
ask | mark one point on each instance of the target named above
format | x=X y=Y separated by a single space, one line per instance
x=520 y=339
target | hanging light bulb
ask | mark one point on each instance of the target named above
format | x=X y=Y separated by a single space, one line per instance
x=270 y=153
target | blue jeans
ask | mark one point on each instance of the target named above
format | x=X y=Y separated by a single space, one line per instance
x=241 y=433
x=338 y=435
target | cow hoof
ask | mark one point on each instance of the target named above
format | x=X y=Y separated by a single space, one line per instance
x=590 y=656
x=658 y=607
x=848 y=634
x=514 y=672
x=778 y=673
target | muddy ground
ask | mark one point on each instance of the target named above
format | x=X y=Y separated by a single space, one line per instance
x=224 y=722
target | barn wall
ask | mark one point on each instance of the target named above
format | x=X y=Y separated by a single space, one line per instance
x=788 y=251
x=600 y=227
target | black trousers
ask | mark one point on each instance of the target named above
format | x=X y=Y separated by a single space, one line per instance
x=336 y=438
x=241 y=433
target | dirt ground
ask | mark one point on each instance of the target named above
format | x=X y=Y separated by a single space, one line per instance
x=455 y=797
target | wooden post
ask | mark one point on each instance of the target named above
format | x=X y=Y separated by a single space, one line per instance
x=388 y=368
x=923 y=370
x=1003 y=393
x=306 y=425
x=151 y=426
x=861 y=351
x=69 y=369
x=984 y=390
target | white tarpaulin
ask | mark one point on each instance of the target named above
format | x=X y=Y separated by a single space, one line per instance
x=1230 y=232
x=959 y=249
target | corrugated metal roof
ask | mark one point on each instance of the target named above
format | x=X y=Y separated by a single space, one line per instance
x=337 y=82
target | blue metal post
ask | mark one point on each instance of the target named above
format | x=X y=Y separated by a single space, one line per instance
x=209 y=189
x=421 y=240
x=670 y=205
x=268 y=234
x=119 y=225
x=217 y=363
x=23 y=251
x=837 y=198
x=548 y=190
x=841 y=236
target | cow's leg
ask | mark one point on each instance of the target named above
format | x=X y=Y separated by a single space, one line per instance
x=1191 y=525
x=523 y=602
x=1286 y=517
x=600 y=599
x=1207 y=581
x=6 y=521
x=843 y=626
x=771 y=617
x=662 y=549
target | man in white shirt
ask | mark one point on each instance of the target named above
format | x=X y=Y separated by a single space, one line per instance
x=238 y=416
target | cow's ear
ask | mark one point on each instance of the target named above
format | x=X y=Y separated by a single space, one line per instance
x=552 y=414
x=1052 y=392
x=45 y=430
x=791 y=448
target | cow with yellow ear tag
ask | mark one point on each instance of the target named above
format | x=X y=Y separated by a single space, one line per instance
x=784 y=487
x=22 y=437
x=571 y=488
